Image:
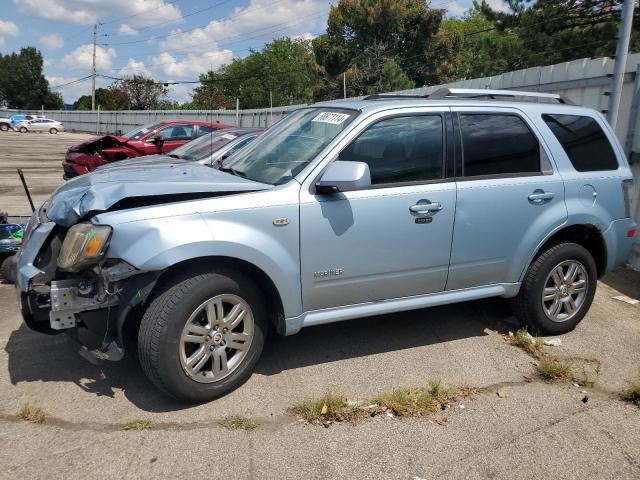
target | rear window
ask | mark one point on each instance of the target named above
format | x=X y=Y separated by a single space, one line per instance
x=498 y=144
x=584 y=142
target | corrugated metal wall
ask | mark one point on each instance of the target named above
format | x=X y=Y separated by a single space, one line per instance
x=586 y=82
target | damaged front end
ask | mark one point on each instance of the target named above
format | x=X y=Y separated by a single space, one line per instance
x=86 y=157
x=67 y=287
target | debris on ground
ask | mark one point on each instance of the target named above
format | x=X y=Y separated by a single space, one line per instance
x=625 y=299
x=553 y=342
x=502 y=394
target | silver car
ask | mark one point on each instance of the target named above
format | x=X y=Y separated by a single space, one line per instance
x=341 y=210
x=40 y=125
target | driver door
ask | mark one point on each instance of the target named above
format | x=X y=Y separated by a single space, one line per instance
x=174 y=136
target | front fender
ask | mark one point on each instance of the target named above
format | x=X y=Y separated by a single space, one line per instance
x=248 y=235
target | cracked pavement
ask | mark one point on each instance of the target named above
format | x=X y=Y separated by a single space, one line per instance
x=532 y=430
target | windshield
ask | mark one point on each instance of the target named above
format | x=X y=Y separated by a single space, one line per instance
x=285 y=149
x=204 y=146
x=141 y=131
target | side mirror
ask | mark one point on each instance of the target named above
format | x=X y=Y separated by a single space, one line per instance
x=344 y=177
x=158 y=140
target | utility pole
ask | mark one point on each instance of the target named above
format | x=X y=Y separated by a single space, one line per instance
x=344 y=84
x=619 y=67
x=93 y=71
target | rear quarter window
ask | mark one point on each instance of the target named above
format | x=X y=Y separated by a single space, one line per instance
x=584 y=142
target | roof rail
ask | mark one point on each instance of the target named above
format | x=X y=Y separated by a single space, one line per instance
x=452 y=93
x=393 y=96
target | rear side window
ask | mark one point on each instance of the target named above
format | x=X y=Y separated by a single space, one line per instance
x=496 y=144
x=400 y=149
x=584 y=142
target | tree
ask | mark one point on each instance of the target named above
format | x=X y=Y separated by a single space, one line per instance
x=102 y=98
x=554 y=31
x=399 y=37
x=284 y=68
x=22 y=84
x=136 y=93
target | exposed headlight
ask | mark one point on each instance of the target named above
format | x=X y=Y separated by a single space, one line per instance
x=85 y=244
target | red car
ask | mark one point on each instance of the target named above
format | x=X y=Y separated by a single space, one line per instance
x=159 y=137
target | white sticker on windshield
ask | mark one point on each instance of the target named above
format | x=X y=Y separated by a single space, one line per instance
x=228 y=136
x=331 y=117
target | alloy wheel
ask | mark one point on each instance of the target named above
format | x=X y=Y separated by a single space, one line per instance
x=565 y=290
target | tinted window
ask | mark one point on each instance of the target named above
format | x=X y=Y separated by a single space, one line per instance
x=176 y=132
x=584 y=141
x=498 y=144
x=401 y=149
x=205 y=129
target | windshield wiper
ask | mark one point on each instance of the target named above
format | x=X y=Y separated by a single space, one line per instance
x=230 y=170
x=173 y=155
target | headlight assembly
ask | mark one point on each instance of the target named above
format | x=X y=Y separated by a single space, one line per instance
x=85 y=244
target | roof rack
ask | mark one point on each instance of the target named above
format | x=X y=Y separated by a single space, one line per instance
x=469 y=93
x=451 y=93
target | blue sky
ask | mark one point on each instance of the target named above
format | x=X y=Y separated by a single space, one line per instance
x=168 y=40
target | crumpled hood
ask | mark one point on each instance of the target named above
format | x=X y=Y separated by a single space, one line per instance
x=158 y=159
x=104 y=139
x=101 y=189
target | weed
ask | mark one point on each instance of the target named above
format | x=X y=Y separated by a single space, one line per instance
x=32 y=414
x=632 y=394
x=330 y=408
x=238 y=422
x=554 y=370
x=524 y=340
x=138 y=425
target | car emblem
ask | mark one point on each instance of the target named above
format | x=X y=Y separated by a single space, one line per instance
x=281 y=222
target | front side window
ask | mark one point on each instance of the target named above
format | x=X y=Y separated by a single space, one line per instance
x=400 y=149
x=139 y=132
x=285 y=149
x=498 y=144
x=176 y=132
x=584 y=142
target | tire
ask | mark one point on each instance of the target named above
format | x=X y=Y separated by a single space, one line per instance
x=23 y=130
x=165 y=354
x=4 y=127
x=8 y=269
x=570 y=294
x=53 y=131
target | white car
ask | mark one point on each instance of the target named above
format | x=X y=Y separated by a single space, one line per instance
x=40 y=125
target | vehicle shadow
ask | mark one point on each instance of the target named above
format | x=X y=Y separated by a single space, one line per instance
x=33 y=357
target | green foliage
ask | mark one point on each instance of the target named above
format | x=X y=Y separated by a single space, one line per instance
x=283 y=68
x=102 y=98
x=22 y=84
x=136 y=93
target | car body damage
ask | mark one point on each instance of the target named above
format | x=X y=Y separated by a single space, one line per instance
x=139 y=185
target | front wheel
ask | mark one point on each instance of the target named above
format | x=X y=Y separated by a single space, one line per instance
x=23 y=130
x=558 y=289
x=4 y=127
x=201 y=337
x=53 y=131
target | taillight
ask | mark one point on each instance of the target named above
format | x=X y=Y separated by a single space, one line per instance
x=627 y=191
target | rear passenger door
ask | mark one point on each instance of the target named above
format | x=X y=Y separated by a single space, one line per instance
x=510 y=197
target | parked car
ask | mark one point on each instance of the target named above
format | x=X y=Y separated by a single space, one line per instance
x=209 y=149
x=154 y=138
x=341 y=210
x=5 y=124
x=39 y=125
x=14 y=120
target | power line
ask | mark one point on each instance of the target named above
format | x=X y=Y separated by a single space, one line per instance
x=116 y=20
x=71 y=82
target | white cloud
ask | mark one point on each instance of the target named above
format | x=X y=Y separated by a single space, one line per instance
x=458 y=8
x=260 y=20
x=135 y=68
x=81 y=58
x=8 y=28
x=127 y=30
x=52 y=41
x=147 y=12
x=193 y=64
x=70 y=93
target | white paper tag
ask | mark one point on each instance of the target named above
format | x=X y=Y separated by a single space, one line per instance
x=331 y=117
x=228 y=136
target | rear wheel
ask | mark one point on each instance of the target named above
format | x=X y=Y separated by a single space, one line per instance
x=4 y=127
x=201 y=337
x=558 y=289
x=53 y=131
x=23 y=130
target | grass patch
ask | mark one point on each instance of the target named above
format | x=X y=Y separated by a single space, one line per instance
x=554 y=370
x=238 y=422
x=330 y=408
x=523 y=339
x=32 y=414
x=632 y=394
x=401 y=402
x=138 y=425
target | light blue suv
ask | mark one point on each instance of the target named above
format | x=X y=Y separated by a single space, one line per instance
x=341 y=210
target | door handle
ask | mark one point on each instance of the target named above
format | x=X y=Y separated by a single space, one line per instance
x=540 y=196
x=425 y=207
